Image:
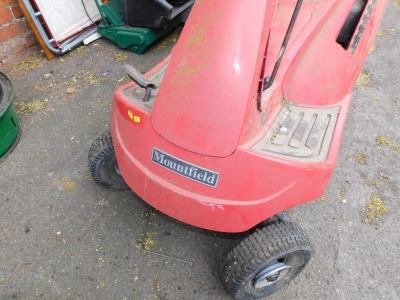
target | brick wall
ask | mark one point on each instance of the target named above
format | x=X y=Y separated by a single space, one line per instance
x=15 y=34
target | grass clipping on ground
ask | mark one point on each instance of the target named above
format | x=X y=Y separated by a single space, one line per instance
x=374 y=210
x=363 y=78
x=148 y=242
x=384 y=140
x=360 y=158
x=25 y=108
x=31 y=63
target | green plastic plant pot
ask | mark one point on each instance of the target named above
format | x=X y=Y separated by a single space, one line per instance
x=9 y=123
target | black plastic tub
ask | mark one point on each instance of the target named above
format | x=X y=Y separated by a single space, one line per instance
x=153 y=13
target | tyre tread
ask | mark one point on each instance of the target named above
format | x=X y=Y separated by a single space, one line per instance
x=256 y=249
x=101 y=147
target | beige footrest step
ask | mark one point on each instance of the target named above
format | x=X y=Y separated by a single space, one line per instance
x=301 y=133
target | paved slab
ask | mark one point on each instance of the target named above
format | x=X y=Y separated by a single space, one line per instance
x=62 y=236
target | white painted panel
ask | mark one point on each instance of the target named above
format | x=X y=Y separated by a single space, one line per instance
x=65 y=18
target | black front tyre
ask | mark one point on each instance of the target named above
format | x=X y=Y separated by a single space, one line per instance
x=265 y=261
x=103 y=163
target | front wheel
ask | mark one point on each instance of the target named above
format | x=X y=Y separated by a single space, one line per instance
x=265 y=261
x=103 y=163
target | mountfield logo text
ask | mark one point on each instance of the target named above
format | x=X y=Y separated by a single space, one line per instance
x=185 y=169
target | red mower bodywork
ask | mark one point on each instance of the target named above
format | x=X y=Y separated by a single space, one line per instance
x=213 y=147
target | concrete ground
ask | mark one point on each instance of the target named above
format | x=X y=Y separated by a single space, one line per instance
x=62 y=236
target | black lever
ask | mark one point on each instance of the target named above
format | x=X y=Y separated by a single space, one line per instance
x=141 y=81
x=270 y=80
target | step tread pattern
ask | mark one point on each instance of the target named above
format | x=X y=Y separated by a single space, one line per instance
x=301 y=133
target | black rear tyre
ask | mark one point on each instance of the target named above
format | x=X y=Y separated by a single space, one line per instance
x=265 y=261
x=103 y=163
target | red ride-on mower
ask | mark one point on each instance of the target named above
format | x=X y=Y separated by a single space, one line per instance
x=242 y=121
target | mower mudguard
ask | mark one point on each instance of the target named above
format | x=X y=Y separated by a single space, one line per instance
x=233 y=193
x=251 y=186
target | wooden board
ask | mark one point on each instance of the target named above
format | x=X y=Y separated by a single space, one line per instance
x=47 y=52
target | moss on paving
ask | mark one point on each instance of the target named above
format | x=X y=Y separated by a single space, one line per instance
x=363 y=78
x=25 y=108
x=121 y=57
x=360 y=158
x=30 y=63
x=148 y=242
x=383 y=140
x=374 y=210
